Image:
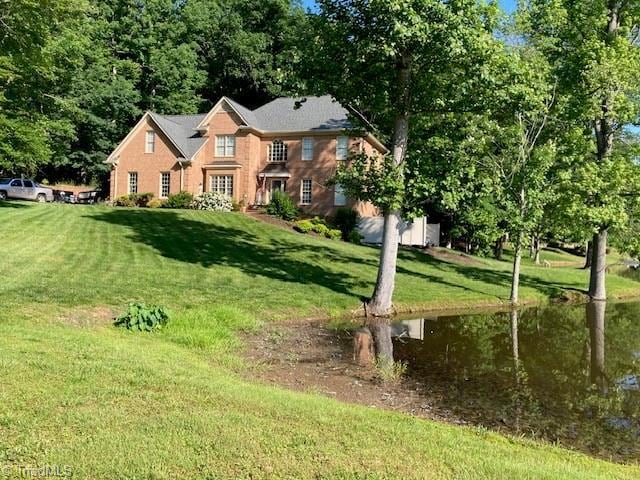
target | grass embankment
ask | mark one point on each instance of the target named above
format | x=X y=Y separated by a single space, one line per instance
x=76 y=391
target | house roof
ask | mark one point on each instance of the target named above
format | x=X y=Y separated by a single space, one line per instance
x=286 y=114
x=181 y=130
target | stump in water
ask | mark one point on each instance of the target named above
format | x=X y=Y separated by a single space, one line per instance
x=363 y=351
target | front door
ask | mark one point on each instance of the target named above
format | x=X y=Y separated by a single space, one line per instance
x=277 y=185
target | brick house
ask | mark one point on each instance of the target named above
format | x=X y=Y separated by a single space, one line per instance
x=288 y=144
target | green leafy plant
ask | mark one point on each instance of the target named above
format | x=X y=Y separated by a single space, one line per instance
x=144 y=318
x=281 y=205
x=320 y=228
x=390 y=372
x=179 y=200
x=304 y=226
x=134 y=200
x=333 y=234
x=155 y=203
x=355 y=237
x=346 y=220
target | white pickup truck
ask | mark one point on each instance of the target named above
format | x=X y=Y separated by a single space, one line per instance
x=24 y=189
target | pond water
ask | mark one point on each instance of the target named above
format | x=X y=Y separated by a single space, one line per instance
x=569 y=374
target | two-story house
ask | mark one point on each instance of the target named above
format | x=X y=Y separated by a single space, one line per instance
x=292 y=145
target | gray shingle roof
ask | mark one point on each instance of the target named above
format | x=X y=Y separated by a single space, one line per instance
x=181 y=130
x=284 y=114
x=301 y=114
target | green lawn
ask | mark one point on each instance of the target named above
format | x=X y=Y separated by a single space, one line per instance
x=76 y=391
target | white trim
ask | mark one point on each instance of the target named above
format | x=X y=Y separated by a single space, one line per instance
x=314 y=133
x=221 y=165
x=125 y=140
x=225 y=145
x=136 y=127
x=214 y=110
x=147 y=143
x=274 y=175
x=168 y=186
x=302 y=202
x=302 y=149
x=129 y=192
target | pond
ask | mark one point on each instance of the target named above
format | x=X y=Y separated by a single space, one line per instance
x=563 y=373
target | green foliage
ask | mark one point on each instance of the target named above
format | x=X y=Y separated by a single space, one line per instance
x=304 y=226
x=333 y=234
x=212 y=201
x=321 y=229
x=156 y=203
x=179 y=200
x=355 y=237
x=346 y=220
x=144 y=318
x=378 y=180
x=390 y=371
x=282 y=206
x=134 y=200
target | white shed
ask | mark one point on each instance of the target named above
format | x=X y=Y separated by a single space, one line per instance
x=416 y=233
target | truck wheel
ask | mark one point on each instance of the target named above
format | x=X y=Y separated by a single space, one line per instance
x=41 y=198
x=3 y=195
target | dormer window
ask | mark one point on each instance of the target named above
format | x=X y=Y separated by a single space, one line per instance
x=278 y=151
x=150 y=142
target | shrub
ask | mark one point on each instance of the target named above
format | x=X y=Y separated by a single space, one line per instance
x=179 y=200
x=304 y=226
x=320 y=228
x=124 y=201
x=390 y=371
x=318 y=221
x=134 y=200
x=355 y=237
x=155 y=203
x=281 y=205
x=333 y=234
x=144 y=318
x=346 y=220
x=212 y=201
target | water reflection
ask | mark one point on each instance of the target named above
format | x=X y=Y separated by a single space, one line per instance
x=539 y=372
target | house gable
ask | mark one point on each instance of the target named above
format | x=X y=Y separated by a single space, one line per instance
x=228 y=107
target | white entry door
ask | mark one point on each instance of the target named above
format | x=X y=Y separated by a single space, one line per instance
x=277 y=185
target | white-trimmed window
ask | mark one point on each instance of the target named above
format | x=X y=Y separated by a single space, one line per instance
x=150 y=142
x=225 y=146
x=221 y=184
x=342 y=148
x=305 y=191
x=133 y=182
x=307 y=148
x=278 y=151
x=165 y=184
x=339 y=198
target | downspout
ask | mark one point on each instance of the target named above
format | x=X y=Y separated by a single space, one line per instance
x=115 y=180
x=181 y=175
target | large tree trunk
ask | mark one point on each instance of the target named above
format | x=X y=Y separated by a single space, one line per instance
x=588 y=254
x=597 y=288
x=381 y=330
x=595 y=322
x=381 y=301
x=604 y=132
x=515 y=273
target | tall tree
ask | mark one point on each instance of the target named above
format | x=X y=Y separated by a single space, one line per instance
x=394 y=61
x=593 y=45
